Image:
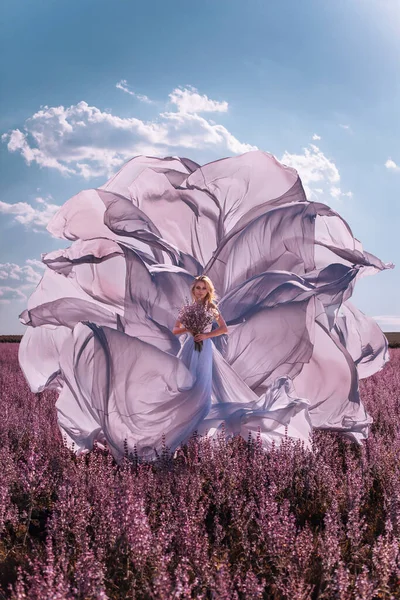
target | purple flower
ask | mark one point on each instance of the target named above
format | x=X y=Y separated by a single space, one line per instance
x=196 y=318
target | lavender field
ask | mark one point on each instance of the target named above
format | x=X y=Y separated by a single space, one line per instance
x=221 y=520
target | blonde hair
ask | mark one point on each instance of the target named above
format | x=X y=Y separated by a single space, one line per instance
x=211 y=296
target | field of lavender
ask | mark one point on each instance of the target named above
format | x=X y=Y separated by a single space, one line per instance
x=221 y=520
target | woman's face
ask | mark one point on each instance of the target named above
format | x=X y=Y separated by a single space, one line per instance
x=200 y=290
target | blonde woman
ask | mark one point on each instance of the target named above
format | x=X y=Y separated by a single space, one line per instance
x=199 y=363
x=203 y=292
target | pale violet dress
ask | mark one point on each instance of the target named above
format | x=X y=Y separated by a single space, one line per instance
x=222 y=397
x=128 y=393
x=99 y=323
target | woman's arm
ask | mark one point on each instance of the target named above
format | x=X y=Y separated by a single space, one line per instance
x=216 y=332
x=179 y=329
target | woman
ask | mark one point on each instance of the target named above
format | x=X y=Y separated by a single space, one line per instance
x=203 y=292
x=200 y=364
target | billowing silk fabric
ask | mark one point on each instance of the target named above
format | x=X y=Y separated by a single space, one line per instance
x=100 y=321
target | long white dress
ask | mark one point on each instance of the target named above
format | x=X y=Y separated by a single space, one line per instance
x=100 y=321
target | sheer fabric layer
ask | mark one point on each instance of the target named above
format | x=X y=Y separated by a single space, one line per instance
x=99 y=324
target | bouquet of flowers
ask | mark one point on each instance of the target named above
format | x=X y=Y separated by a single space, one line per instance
x=195 y=317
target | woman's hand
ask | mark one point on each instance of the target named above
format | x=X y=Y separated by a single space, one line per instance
x=199 y=337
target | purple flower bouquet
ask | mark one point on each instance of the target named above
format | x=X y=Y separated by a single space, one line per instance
x=195 y=317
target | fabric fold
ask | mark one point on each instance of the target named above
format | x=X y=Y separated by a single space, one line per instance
x=100 y=321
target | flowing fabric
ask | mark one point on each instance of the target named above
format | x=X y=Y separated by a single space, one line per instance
x=100 y=321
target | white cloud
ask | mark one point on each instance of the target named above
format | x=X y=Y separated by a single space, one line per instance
x=28 y=215
x=346 y=127
x=188 y=100
x=316 y=168
x=33 y=262
x=10 y=294
x=336 y=192
x=17 y=281
x=30 y=273
x=193 y=131
x=17 y=141
x=316 y=137
x=84 y=140
x=312 y=165
x=123 y=85
x=391 y=165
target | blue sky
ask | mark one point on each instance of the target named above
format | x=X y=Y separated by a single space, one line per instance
x=88 y=84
